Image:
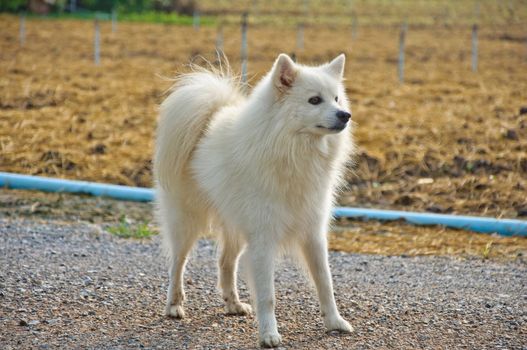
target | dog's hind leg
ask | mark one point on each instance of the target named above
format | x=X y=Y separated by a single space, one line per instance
x=180 y=228
x=227 y=267
x=181 y=245
x=314 y=249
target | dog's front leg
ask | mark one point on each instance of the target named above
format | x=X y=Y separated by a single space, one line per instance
x=261 y=256
x=314 y=249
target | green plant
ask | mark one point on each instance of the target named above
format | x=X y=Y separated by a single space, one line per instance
x=12 y=5
x=142 y=17
x=486 y=250
x=127 y=229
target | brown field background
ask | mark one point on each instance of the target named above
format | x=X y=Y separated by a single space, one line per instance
x=447 y=140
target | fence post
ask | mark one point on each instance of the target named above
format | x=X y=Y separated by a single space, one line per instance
x=510 y=8
x=195 y=20
x=22 y=29
x=96 y=43
x=219 y=39
x=402 y=39
x=354 y=26
x=475 y=48
x=114 y=20
x=306 y=6
x=73 y=6
x=300 y=36
x=244 y=48
x=255 y=8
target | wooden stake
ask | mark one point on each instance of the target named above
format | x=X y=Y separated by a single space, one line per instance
x=244 y=55
x=402 y=40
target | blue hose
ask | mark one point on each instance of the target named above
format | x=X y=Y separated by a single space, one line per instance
x=27 y=182
x=506 y=227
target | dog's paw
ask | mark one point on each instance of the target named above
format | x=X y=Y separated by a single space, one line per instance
x=176 y=311
x=338 y=324
x=238 y=309
x=270 y=340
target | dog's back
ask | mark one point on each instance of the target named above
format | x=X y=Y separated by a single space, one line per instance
x=184 y=117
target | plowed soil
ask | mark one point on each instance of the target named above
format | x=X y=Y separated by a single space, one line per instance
x=447 y=140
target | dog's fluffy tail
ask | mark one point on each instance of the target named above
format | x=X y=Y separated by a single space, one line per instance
x=185 y=115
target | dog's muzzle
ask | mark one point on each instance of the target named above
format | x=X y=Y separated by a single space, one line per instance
x=343 y=118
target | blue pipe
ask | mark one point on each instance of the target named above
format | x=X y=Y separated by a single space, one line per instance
x=27 y=182
x=506 y=227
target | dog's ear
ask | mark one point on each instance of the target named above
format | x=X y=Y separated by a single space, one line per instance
x=336 y=67
x=284 y=72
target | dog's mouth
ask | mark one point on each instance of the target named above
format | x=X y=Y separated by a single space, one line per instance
x=336 y=128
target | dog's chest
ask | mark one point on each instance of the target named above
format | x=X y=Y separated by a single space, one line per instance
x=298 y=179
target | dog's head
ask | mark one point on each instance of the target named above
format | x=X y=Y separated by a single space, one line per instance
x=313 y=96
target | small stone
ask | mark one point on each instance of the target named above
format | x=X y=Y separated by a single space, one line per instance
x=511 y=134
x=523 y=167
x=99 y=149
x=523 y=110
x=23 y=323
x=435 y=209
x=33 y=322
x=404 y=200
x=425 y=181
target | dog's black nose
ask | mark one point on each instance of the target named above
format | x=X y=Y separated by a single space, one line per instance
x=343 y=116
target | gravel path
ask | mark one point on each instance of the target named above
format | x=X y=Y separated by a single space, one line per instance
x=66 y=285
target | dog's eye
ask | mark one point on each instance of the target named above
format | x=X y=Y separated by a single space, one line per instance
x=336 y=99
x=315 y=100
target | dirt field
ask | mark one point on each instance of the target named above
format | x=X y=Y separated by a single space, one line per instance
x=448 y=140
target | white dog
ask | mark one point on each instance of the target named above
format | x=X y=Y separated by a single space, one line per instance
x=262 y=169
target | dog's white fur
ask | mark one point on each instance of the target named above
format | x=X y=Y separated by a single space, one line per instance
x=262 y=169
